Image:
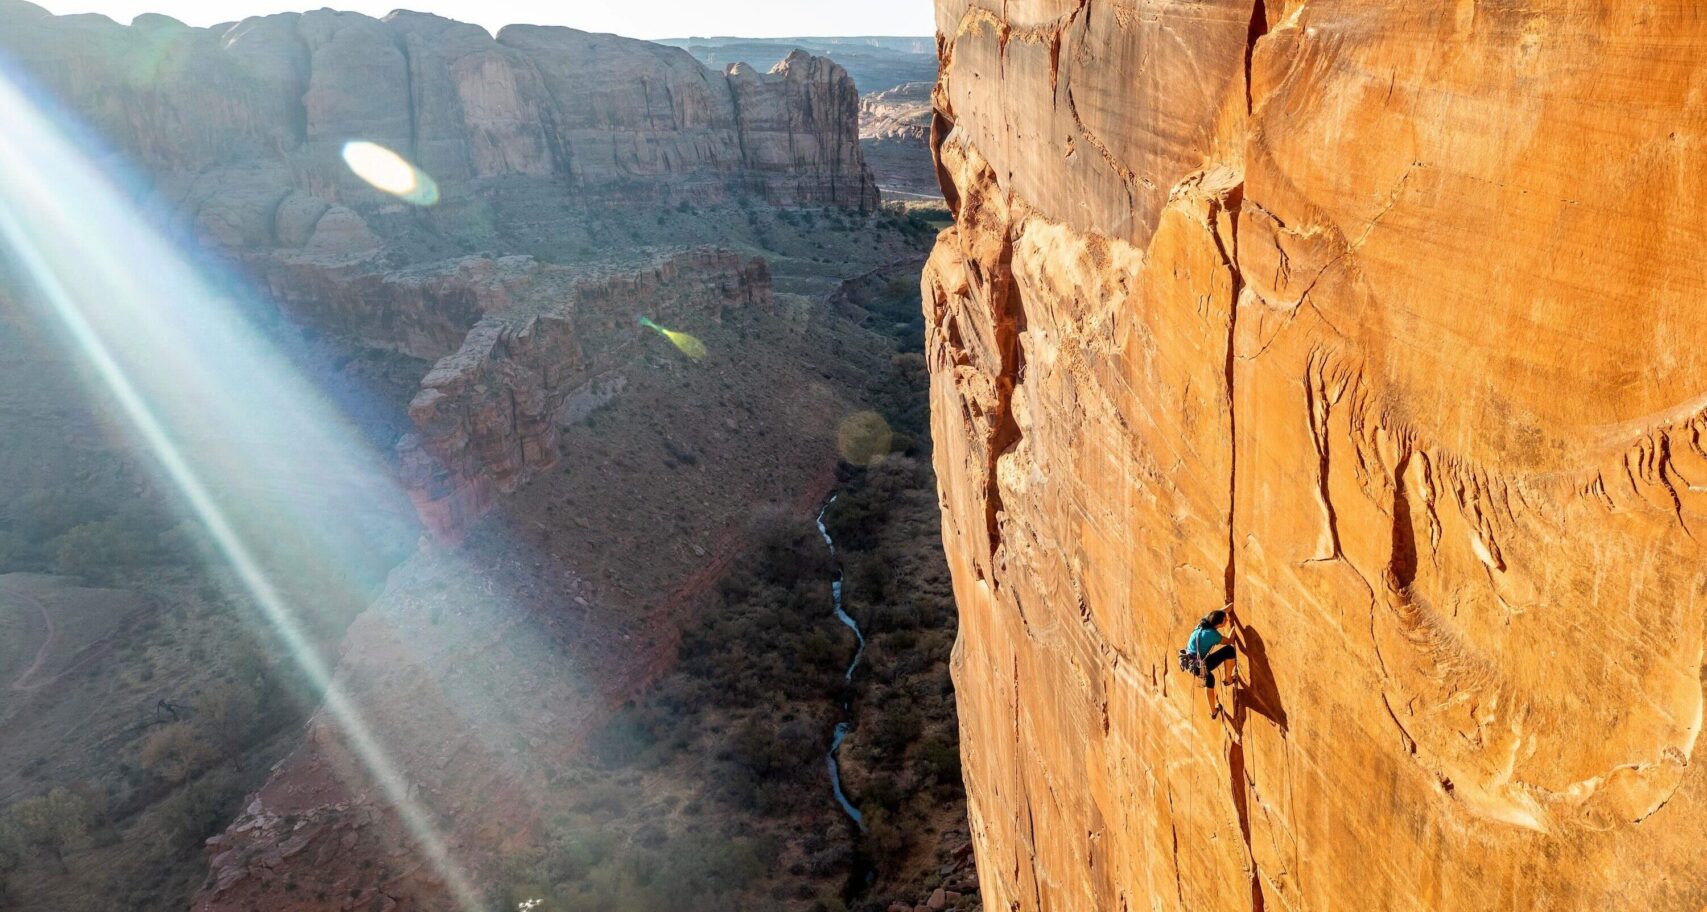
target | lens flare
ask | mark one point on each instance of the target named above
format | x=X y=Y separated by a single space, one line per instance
x=689 y=345
x=864 y=438
x=246 y=445
x=390 y=172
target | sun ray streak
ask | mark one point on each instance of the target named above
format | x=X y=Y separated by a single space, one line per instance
x=35 y=213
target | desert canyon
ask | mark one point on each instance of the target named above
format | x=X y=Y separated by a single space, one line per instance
x=610 y=374
x=1380 y=323
x=1222 y=312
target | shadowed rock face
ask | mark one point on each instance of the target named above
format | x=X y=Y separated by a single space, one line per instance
x=490 y=414
x=231 y=119
x=1377 y=322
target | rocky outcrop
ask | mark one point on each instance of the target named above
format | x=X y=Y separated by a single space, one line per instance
x=489 y=415
x=895 y=129
x=232 y=120
x=901 y=113
x=1374 y=321
x=423 y=311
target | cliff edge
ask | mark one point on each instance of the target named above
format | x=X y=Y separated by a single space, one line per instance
x=1378 y=322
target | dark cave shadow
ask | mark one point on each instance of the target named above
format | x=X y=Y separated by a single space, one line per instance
x=1259 y=695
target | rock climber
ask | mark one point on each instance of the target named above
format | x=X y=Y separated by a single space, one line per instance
x=1206 y=651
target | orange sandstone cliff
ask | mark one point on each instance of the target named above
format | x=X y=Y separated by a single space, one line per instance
x=1382 y=322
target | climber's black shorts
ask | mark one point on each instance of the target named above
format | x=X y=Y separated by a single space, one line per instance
x=1222 y=653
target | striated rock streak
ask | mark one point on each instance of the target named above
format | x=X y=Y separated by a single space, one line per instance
x=1377 y=321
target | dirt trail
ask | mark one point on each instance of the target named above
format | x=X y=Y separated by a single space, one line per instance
x=22 y=682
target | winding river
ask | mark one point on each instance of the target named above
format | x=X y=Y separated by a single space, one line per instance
x=844 y=617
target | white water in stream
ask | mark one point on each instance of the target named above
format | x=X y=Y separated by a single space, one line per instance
x=841 y=727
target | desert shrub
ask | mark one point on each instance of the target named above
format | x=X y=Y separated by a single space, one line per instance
x=871 y=578
x=941 y=760
x=701 y=871
x=571 y=851
x=176 y=752
x=93 y=552
x=857 y=517
x=884 y=841
x=226 y=715
x=898 y=726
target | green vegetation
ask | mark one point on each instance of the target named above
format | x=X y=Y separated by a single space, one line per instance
x=918 y=222
x=48 y=825
x=73 y=533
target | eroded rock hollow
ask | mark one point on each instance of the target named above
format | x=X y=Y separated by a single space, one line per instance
x=1381 y=323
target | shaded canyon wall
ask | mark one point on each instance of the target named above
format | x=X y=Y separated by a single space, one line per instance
x=1380 y=322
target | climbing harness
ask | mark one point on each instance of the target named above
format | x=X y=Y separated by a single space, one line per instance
x=1190 y=662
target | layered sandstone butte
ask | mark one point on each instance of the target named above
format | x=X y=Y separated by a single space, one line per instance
x=235 y=122
x=1381 y=322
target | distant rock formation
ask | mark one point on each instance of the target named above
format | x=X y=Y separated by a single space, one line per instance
x=1381 y=323
x=241 y=125
x=902 y=113
x=895 y=128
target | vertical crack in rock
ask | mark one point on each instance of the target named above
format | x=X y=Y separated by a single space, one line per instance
x=1010 y=323
x=413 y=91
x=1173 y=830
x=1258 y=28
x=1224 y=210
x=1402 y=564
x=1228 y=208
x=1318 y=407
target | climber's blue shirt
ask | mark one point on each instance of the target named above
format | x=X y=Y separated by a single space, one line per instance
x=1204 y=639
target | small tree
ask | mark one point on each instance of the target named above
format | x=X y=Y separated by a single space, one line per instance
x=91 y=551
x=175 y=752
x=53 y=823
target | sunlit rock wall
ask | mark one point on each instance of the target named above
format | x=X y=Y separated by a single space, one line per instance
x=1383 y=323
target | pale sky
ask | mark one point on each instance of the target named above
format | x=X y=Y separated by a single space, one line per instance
x=635 y=18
